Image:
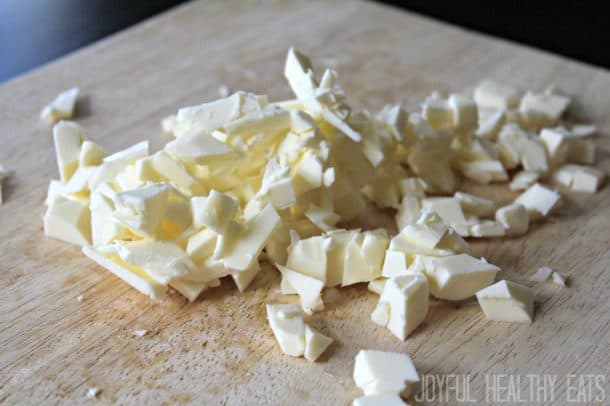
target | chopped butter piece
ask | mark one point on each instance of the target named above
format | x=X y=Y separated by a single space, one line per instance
x=142 y=210
x=464 y=113
x=92 y=393
x=543 y=108
x=294 y=336
x=405 y=301
x=515 y=219
x=214 y=211
x=523 y=180
x=507 y=301
x=458 y=277
x=252 y=240
x=163 y=261
x=315 y=343
x=487 y=228
x=379 y=400
x=68 y=138
x=91 y=154
x=68 y=220
x=376 y=285
x=579 y=178
x=542 y=274
x=307 y=287
x=495 y=96
x=538 y=200
x=62 y=107
x=198 y=147
x=136 y=277
x=475 y=205
x=379 y=372
x=559 y=279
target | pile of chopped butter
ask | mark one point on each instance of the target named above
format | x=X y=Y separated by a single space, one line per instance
x=248 y=180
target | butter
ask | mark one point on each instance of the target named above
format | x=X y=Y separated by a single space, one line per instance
x=315 y=343
x=163 y=261
x=252 y=240
x=68 y=220
x=376 y=285
x=308 y=288
x=464 y=113
x=475 y=205
x=68 y=138
x=559 y=279
x=543 y=108
x=538 y=200
x=458 y=277
x=198 y=147
x=62 y=107
x=309 y=257
x=515 y=219
x=243 y=279
x=579 y=178
x=507 y=301
x=378 y=400
x=495 y=96
x=142 y=210
x=91 y=154
x=487 y=228
x=292 y=334
x=135 y=277
x=213 y=211
x=403 y=304
x=523 y=180
x=542 y=274
x=379 y=373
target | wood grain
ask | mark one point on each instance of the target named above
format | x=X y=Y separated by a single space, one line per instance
x=219 y=349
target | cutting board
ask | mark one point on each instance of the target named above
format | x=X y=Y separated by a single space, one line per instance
x=219 y=349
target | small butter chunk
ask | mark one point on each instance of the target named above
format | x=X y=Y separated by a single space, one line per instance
x=292 y=334
x=583 y=130
x=379 y=400
x=559 y=279
x=136 y=277
x=495 y=96
x=315 y=343
x=68 y=138
x=62 y=107
x=251 y=241
x=483 y=171
x=243 y=279
x=383 y=373
x=91 y=154
x=288 y=328
x=579 y=178
x=376 y=285
x=542 y=274
x=198 y=147
x=68 y=220
x=458 y=277
x=539 y=200
x=487 y=228
x=449 y=209
x=437 y=112
x=507 y=301
x=543 y=108
x=299 y=73
x=214 y=211
x=163 y=261
x=523 y=180
x=514 y=218
x=405 y=301
x=364 y=256
x=140 y=333
x=464 y=112
x=475 y=205
x=394 y=264
x=93 y=393
x=142 y=210
x=308 y=288
x=309 y=257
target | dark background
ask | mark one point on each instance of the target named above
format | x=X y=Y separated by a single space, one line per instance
x=33 y=32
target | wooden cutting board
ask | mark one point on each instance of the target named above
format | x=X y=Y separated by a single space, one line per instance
x=219 y=350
